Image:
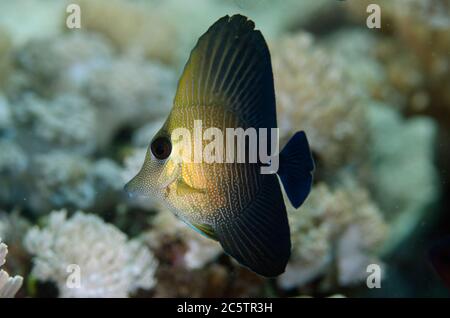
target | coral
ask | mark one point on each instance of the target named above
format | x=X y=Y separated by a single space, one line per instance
x=67 y=121
x=131 y=92
x=334 y=227
x=49 y=122
x=9 y=286
x=419 y=32
x=13 y=226
x=404 y=187
x=110 y=265
x=174 y=26
x=59 y=179
x=189 y=263
x=314 y=94
x=127 y=24
x=121 y=90
x=195 y=251
x=356 y=52
x=53 y=64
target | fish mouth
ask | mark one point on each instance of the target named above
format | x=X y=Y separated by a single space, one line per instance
x=132 y=190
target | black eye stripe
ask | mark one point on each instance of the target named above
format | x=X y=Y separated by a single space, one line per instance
x=161 y=148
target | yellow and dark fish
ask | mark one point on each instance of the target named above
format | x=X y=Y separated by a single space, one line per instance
x=228 y=83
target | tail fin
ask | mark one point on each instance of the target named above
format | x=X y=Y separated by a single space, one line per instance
x=296 y=168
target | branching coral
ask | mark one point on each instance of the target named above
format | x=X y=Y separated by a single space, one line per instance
x=59 y=179
x=51 y=65
x=109 y=264
x=314 y=95
x=419 y=46
x=345 y=216
x=68 y=122
x=8 y=285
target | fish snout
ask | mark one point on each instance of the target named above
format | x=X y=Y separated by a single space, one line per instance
x=128 y=191
x=132 y=189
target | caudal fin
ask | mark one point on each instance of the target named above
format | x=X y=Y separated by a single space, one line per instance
x=296 y=168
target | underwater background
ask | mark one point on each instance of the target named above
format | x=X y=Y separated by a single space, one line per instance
x=78 y=108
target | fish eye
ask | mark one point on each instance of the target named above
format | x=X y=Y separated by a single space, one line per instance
x=161 y=148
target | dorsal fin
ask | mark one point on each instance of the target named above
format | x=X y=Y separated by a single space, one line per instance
x=230 y=67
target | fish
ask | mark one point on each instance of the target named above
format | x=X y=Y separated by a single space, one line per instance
x=439 y=256
x=227 y=83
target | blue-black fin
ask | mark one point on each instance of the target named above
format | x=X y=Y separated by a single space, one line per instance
x=259 y=236
x=296 y=169
x=230 y=67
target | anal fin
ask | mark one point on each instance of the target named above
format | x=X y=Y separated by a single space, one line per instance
x=259 y=238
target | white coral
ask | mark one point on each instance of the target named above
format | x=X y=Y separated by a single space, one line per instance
x=8 y=285
x=314 y=94
x=335 y=227
x=110 y=264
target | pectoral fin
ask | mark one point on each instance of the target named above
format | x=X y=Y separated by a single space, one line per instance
x=184 y=189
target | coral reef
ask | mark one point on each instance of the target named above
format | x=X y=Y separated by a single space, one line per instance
x=337 y=228
x=190 y=266
x=120 y=90
x=110 y=265
x=66 y=122
x=60 y=91
x=8 y=285
x=197 y=251
x=131 y=24
x=13 y=226
x=130 y=92
x=61 y=179
x=314 y=95
x=78 y=109
x=419 y=46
